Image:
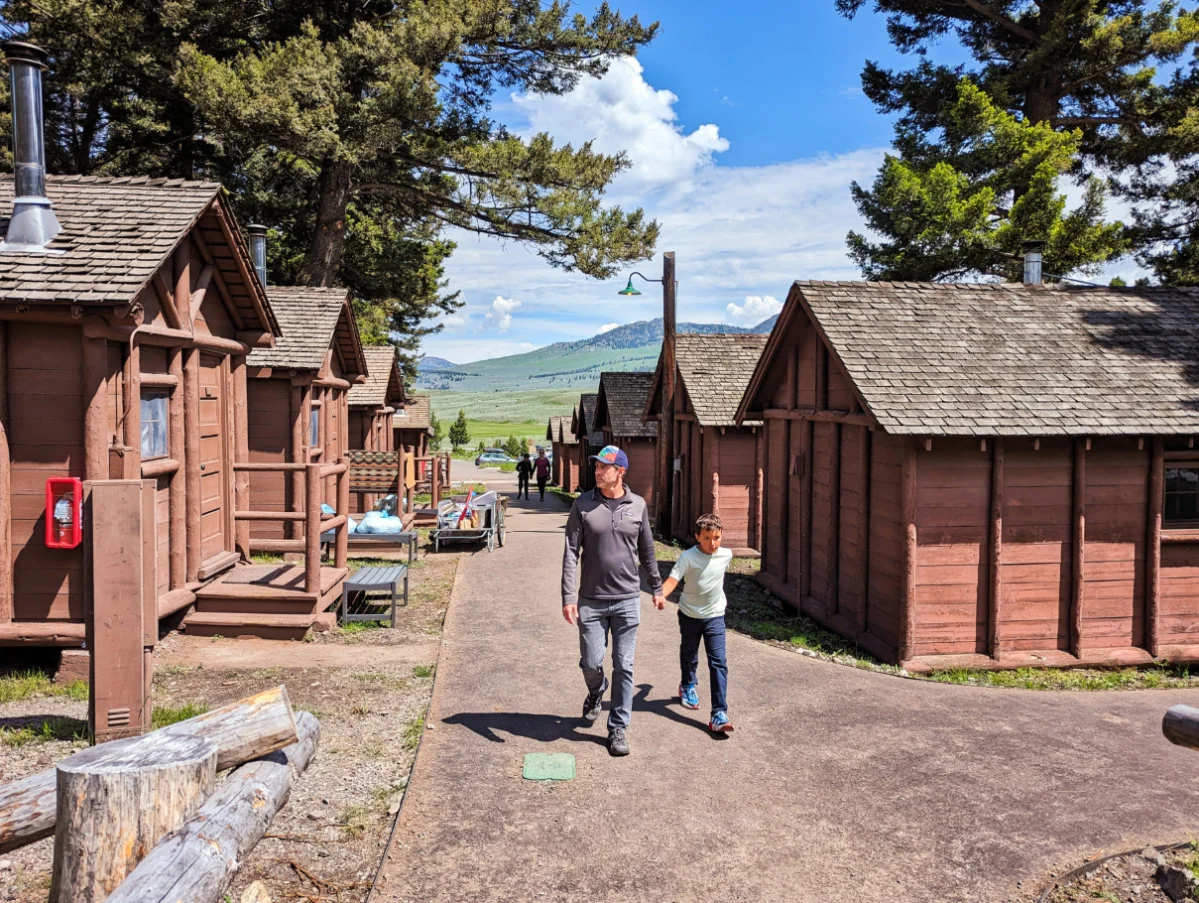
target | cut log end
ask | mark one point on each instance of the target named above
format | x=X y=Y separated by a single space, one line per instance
x=1181 y=726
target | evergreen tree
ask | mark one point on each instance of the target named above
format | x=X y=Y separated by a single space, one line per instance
x=438 y=435
x=459 y=433
x=514 y=447
x=940 y=223
x=1088 y=67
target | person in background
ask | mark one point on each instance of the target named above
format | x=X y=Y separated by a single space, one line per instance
x=542 y=467
x=701 y=570
x=524 y=469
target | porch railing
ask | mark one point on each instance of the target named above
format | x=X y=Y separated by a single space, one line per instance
x=315 y=524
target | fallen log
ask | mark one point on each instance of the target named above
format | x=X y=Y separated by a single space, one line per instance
x=1181 y=726
x=198 y=861
x=116 y=801
x=242 y=731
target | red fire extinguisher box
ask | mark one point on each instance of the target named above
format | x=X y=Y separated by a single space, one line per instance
x=64 y=512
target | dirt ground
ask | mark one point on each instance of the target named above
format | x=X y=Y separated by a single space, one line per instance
x=369 y=687
x=1128 y=878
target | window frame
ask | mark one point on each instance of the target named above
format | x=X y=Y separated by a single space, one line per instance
x=314 y=427
x=1179 y=462
x=153 y=395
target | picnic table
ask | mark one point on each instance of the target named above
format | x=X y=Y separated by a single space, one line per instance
x=377 y=580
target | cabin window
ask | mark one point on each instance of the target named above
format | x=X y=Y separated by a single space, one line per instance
x=154 y=425
x=314 y=427
x=1182 y=495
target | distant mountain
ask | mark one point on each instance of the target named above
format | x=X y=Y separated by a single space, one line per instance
x=567 y=365
x=430 y=364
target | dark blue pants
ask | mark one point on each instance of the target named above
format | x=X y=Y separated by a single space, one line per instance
x=712 y=633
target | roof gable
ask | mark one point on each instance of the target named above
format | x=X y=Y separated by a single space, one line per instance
x=414 y=415
x=1008 y=359
x=714 y=371
x=311 y=320
x=384 y=386
x=622 y=398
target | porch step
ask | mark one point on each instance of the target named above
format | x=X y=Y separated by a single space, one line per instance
x=235 y=624
x=267 y=601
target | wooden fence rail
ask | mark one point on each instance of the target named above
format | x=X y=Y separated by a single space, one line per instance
x=242 y=731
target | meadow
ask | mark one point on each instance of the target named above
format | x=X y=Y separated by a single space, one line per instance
x=490 y=415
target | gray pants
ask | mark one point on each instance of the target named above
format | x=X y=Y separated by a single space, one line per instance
x=596 y=618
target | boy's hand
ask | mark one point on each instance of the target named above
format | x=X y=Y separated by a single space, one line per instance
x=571 y=613
x=659 y=602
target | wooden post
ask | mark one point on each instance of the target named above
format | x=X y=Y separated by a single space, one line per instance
x=907 y=643
x=759 y=483
x=343 y=507
x=666 y=453
x=449 y=478
x=232 y=821
x=178 y=483
x=995 y=564
x=865 y=448
x=314 y=495
x=191 y=458
x=1079 y=543
x=116 y=801
x=298 y=454
x=715 y=437
x=96 y=431
x=7 y=604
x=241 y=452
x=132 y=379
x=435 y=477
x=1153 y=548
x=807 y=441
x=183 y=286
x=832 y=602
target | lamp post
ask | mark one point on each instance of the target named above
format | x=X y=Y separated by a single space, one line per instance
x=664 y=489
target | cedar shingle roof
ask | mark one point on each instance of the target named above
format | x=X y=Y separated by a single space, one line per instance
x=1012 y=359
x=117 y=232
x=585 y=421
x=384 y=387
x=415 y=415
x=566 y=430
x=715 y=369
x=622 y=398
x=553 y=429
x=311 y=318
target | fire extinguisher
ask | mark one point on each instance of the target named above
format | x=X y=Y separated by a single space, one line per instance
x=64 y=512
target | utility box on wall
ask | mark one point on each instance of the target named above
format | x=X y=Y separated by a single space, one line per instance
x=123 y=622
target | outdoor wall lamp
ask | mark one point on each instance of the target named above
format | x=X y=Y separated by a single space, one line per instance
x=629 y=290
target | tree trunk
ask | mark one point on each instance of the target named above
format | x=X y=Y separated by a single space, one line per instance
x=116 y=801
x=329 y=239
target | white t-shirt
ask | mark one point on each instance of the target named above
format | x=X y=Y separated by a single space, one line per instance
x=702 y=577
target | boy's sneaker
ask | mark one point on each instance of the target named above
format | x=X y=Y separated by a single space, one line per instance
x=594 y=703
x=720 y=724
x=618 y=743
x=688 y=696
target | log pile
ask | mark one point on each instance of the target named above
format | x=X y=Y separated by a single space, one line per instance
x=127 y=815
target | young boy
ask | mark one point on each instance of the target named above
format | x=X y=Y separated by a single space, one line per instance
x=701 y=614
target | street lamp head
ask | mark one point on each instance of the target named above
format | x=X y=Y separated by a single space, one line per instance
x=628 y=289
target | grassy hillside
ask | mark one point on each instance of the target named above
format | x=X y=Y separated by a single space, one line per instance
x=523 y=413
x=553 y=368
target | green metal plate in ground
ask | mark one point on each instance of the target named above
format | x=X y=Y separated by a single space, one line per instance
x=549 y=767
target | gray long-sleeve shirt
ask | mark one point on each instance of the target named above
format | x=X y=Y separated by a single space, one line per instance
x=614 y=536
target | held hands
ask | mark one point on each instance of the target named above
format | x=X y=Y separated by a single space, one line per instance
x=571 y=613
x=660 y=601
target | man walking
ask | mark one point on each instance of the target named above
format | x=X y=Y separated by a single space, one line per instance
x=610 y=527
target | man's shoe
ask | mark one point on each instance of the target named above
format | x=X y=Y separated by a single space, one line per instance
x=688 y=696
x=594 y=703
x=720 y=724
x=618 y=743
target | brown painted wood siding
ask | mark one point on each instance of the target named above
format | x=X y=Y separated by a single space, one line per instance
x=270 y=423
x=213 y=456
x=642 y=455
x=738 y=475
x=45 y=404
x=774 y=555
x=885 y=580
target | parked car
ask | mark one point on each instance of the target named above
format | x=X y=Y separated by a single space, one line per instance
x=492 y=457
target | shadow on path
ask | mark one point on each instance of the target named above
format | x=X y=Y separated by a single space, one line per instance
x=547 y=728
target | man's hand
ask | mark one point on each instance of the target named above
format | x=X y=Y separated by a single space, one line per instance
x=659 y=602
x=571 y=613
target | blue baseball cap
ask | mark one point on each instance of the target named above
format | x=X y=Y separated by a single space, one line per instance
x=610 y=454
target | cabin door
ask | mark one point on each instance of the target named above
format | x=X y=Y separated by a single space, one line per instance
x=213 y=458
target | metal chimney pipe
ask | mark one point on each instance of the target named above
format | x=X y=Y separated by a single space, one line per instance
x=258 y=250
x=33 y=223
x=1032 y=261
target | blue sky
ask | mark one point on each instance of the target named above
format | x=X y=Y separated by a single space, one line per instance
x=745 y=123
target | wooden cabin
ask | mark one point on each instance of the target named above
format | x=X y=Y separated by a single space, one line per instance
x=567 y=447
x=985 y=475
x=372 y=404
x=553 y=431
x=590 y=440
x=298 y=397
x=720 y=463
x=618 y=409
x=123 y=353
x=412 y=425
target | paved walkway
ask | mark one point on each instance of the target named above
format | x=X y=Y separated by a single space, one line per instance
x=838 y=785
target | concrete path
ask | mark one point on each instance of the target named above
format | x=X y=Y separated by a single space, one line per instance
x=838 y=785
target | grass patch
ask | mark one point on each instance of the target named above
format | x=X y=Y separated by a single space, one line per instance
x=412 y=733
x=567 y=498
x=354 y=628
x=24 y=685
x=266 y=557
x=355 y=819
x=382 y=681
x=171 y=714
x=422 y=671
x=65 y=729
x=1154 y=677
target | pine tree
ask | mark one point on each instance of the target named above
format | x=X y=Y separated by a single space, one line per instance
x=459 y=433
x=438 y=435
x=1087 y=67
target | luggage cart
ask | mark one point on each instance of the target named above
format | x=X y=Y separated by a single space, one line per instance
x=491 y=508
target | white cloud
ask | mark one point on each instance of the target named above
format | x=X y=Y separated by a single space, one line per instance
x=499 y=315
x=453 y=321
x=755 y=309
x=622 y=112
x=607 y=327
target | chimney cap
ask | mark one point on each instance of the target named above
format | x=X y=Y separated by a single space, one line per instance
x=1033 y=244
x=257 y=229
x=24 y=52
